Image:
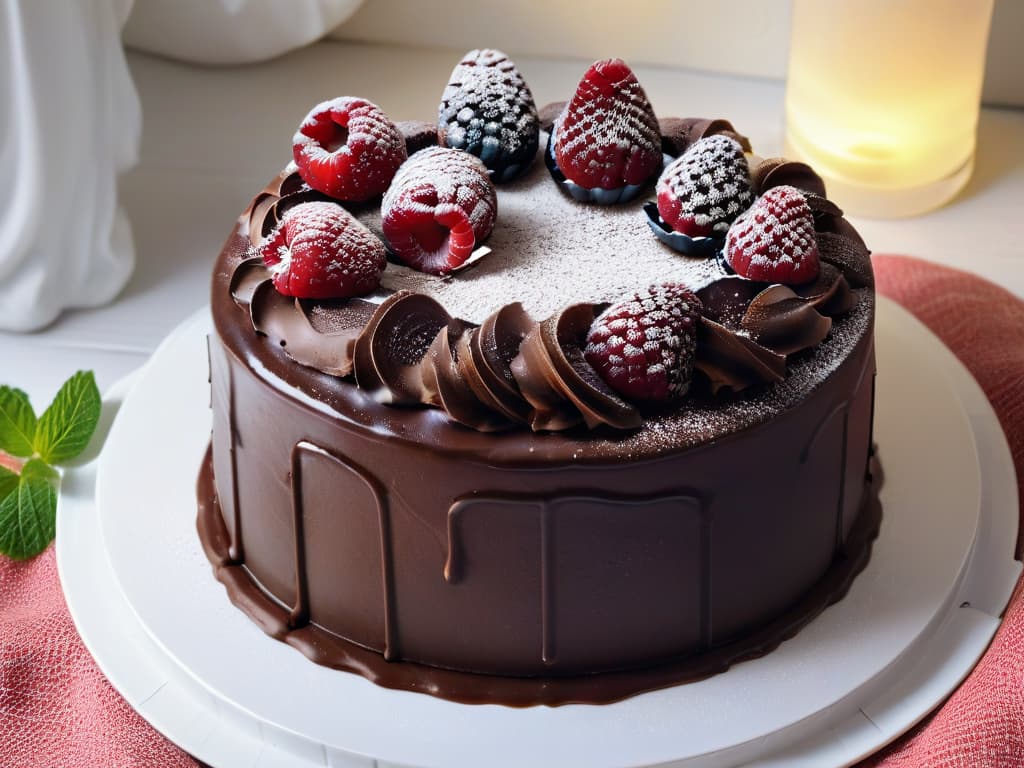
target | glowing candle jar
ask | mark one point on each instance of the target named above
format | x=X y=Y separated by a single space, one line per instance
x=882 y=98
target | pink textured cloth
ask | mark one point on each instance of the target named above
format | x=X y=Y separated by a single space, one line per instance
x=57 y=709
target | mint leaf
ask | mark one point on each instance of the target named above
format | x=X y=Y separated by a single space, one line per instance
x=8 y=482
x=17 y=422
x=65 y=427
x=28 y=513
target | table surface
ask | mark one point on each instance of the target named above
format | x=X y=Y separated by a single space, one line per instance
x=213 y=137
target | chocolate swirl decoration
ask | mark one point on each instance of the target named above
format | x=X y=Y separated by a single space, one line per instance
x=485 y=356
x=511 y=370
x=268 y=207
x=778 y=171
x=560 y=384
x=839 y=244
x=445 y=388
x=319 y=335
x=678 y=133
x=388 y=352
x=748 y=328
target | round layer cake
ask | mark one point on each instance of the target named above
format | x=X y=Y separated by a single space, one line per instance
x=430 y=485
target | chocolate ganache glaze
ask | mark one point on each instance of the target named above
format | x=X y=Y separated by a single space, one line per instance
x=444 y=497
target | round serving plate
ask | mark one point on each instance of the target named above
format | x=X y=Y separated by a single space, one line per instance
x=912 y=626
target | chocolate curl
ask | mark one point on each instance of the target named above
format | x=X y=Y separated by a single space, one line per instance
x=552 y=411
x=830 y=294
x=778 y=171
x=445 y=388
x=732 y=362
x=269 y=206
x=561 y=385
x=247 y=276
x=388 y=352
x=679 y=133
x=726 y=299
x=261 y=223
x=783 y=322
x=848 y=255
x=284 y=321
x=822 y=208
x=485 y=362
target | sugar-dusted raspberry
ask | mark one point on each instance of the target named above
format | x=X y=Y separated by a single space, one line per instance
x=774 y=240
x=348 y=148
x=703 y=191
x=439 y=207
x=487 y=110
x=644 y=347
x=608 y=137
x=320 y=251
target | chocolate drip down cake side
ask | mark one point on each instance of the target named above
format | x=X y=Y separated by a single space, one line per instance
x=538 y=406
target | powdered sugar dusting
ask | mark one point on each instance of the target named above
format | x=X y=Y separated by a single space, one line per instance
x=549 y=251
x=694 y=420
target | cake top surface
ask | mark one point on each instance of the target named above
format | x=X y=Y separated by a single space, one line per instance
x=548 y=250
x=640 y=284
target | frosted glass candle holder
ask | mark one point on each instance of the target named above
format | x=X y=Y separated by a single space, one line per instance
x=882 y=99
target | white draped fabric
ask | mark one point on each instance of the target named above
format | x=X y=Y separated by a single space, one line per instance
x=70 y=123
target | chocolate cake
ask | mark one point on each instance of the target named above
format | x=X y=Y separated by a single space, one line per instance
x=602 y=423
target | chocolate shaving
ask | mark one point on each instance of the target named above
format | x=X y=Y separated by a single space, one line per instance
x=830 y=294
x=679 y=133
x=778 y=171
x=849 y=256
x=783 y=322
x=821 y=207
x=552 y=411
x=291 y=183
x=726 y=299
x=733 y=362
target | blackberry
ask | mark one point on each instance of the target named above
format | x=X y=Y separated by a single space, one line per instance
x=487 y=110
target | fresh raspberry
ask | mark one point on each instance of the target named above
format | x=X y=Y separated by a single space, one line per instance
x=440 y=205
x=607 y=137
x=774 y=240
x=320 y=251
x=644 y=347
x=703 y=191
x=348 y=148
x=487 y=110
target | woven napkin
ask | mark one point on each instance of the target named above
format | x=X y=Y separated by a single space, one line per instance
x=57 y=708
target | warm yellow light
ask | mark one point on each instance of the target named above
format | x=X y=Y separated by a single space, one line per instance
x=882 y=98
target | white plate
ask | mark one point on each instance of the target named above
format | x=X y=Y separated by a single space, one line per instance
x=914 y=623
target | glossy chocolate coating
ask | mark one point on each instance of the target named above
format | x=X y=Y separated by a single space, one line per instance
x=403 y=546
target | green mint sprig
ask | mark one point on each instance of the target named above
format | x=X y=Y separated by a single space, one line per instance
x=28 y=489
